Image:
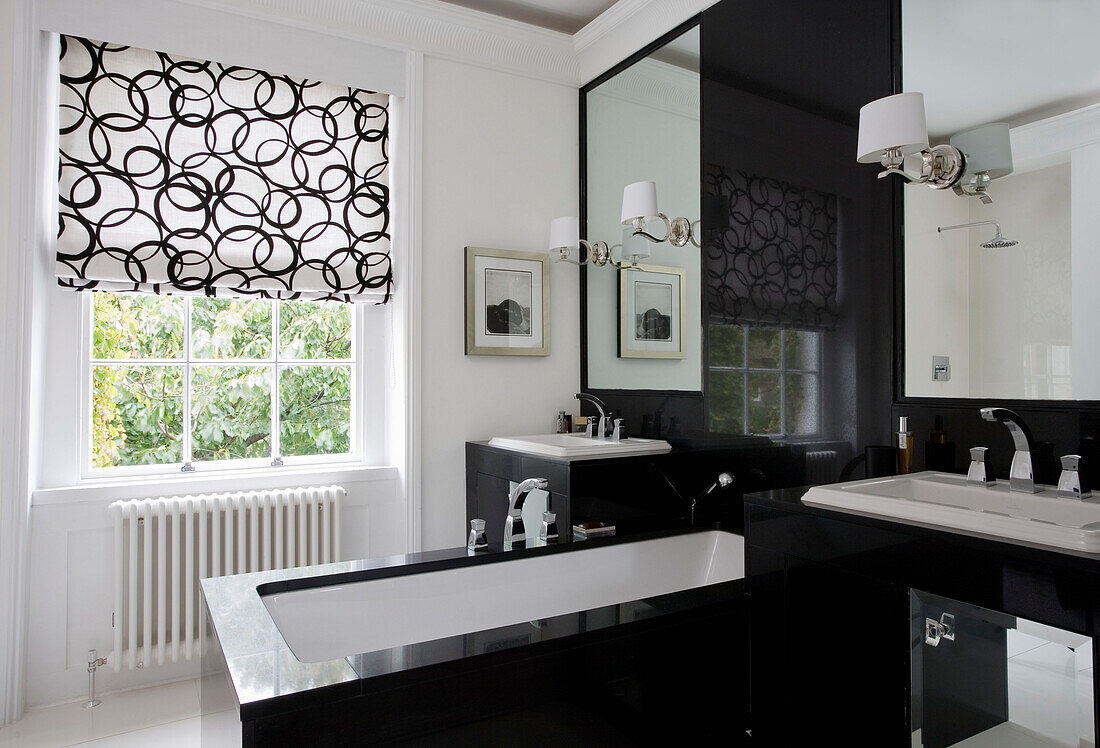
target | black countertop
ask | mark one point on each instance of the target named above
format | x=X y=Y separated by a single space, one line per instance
x=790 y=500
x=267 y=678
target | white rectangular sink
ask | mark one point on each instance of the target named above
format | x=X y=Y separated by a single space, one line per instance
x=579 y=446
x=945 y=500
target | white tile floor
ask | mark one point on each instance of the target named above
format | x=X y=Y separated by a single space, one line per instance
x=165 y=716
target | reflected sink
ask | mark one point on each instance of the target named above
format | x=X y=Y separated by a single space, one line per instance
x=945 y=500
x=579 y=446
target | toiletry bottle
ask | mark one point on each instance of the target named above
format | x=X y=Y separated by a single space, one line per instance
x=903 y=440
x=939 y=454
x=565 y=422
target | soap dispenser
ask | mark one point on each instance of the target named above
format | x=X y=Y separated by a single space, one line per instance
x=903 y=440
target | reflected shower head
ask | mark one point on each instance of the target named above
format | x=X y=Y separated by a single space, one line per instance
x=997 y=242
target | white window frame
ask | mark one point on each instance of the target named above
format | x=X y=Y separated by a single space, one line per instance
x=355 y=456
x=782 y=370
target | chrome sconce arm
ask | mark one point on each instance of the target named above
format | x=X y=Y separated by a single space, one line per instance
x=678 y=231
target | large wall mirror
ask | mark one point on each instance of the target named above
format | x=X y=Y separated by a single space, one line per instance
x=1006 y=306
x=643 y=328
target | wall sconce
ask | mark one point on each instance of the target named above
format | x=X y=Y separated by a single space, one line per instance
x=640 y=207
x=565 y=239
x=988 y=153
x=893 y=130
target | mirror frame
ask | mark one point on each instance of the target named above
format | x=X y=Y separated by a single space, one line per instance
x=693 y=22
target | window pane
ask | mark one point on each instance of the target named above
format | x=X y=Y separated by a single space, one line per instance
x=764 y=405
x=137 y=326
x=230 y=328
x=726 y=346
x=314 y=410
x=763 y=348
x=800 y=350
x=727 y=402
x=315 y=330
x=137 y=415
x=800 y=391
x=230 y=412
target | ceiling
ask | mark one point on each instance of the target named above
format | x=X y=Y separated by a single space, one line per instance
x=567 y=16
x=1012 y=61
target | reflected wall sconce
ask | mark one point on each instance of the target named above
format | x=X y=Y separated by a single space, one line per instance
x=565 y=240
x=640 y=208
x=893 y=132
x=988 y=153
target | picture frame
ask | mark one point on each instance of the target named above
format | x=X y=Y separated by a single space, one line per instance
x=507 y=303
x=652 y=311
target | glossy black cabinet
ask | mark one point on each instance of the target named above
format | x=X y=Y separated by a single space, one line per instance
x=833 y=627
x=636 y=494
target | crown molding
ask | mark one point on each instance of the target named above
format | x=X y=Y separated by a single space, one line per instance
x=431 y=28
x=656 y=85
x=626 y=27
x=453 y=32
x=1051 y=141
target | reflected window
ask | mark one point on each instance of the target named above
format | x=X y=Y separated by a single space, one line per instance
x=764 y=381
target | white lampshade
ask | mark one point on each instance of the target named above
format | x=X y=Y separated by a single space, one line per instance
x=635 y=248
x=639 y=201
x=892 y=122
x=565 y=232
x=987 y=149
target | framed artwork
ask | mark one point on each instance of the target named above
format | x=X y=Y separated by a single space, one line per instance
x=507 y=303
x=651 y=312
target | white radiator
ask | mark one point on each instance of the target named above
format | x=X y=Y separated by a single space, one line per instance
x=821 y=466
x=164 y=546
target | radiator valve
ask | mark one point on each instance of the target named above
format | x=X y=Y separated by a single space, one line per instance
x=93 y=663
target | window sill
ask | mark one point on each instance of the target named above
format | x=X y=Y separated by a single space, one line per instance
x=132 y=487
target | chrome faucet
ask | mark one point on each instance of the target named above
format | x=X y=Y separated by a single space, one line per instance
x=601 y=427
x=1021 y=474
x=515 y=535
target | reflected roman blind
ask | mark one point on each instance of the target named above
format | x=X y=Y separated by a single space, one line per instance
x=188 y=176
x=771 y=260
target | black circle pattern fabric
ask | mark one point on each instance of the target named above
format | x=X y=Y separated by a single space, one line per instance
x=770 y=253
x=188 y=176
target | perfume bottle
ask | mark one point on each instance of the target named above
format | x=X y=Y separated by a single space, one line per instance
x=903 y=440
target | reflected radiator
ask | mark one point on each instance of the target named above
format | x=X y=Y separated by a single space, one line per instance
x=164 y=546
x=821 y=466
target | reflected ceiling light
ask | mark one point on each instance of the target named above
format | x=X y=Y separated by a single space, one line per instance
x=893 y=132
x=988 y=153
x=565 y=240
x=640 y=208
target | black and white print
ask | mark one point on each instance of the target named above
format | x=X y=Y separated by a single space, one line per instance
x=652 y=311
x=508 y=296
x=183 y=175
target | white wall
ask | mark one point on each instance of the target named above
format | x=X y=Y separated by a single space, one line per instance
x=500 y=162
x=937 y=292
x=1020 y=307
x=1085 y=242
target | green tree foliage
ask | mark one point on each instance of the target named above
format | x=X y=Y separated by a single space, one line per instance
x=137 y=409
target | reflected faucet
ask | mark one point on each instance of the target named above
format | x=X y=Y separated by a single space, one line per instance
x=515 y=535
x=1021 y=475
x=601 y=430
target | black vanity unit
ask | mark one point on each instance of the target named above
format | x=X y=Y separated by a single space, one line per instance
x=636 y=494
x=836 y=637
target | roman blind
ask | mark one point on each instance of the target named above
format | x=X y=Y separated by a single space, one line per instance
x=179 y=175
x=772 y=259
